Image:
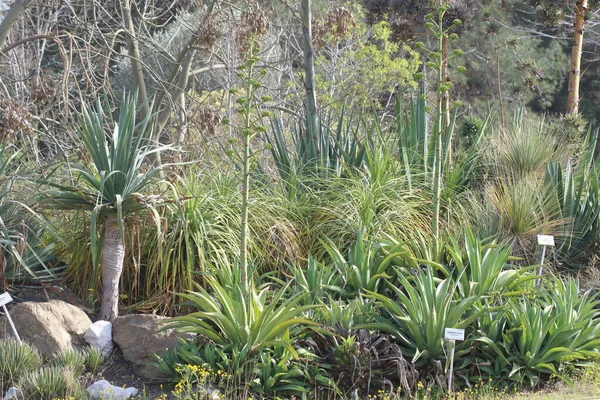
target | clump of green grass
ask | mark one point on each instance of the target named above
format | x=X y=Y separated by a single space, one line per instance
x=16 y=361
x=52 y=382
x=71 y=359
x=93 y=359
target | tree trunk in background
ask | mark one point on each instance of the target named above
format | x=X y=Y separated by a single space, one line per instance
x=113 y=255
x=575 y=72
x=137 y=70
x=309 y=70
x=15 y=11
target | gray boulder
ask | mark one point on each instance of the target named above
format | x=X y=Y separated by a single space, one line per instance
x=136 y=337
x=105 y=391
x=14 y=393
x=51 y=326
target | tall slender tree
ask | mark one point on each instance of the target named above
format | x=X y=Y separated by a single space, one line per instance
x=581 y=7
x=309 y=70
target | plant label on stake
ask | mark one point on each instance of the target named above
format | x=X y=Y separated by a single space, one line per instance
x=544 y=241
x=452 y=335
x=4 y=300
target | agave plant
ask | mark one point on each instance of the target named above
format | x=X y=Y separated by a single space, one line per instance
x=247 y=324
x=24 y=254
x=17 y=360
x=485 y=269
x=110 y=187
x=318 y=280
x=321 y=154
x=540 y=335
x=576 y=193
x=578 y=310
x=422 y=310
x=243 y=327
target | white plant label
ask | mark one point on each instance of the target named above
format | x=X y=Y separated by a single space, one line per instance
x=5 y=299
x=454 y=334
x=545 y=240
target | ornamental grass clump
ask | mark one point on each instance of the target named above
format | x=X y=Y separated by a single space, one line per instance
x=93 y=358
x=51 y=382
x=72 y=359
x=17 y=360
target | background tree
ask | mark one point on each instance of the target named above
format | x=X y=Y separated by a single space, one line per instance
x=581 y=7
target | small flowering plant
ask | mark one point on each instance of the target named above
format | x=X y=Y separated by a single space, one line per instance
x=197 y=382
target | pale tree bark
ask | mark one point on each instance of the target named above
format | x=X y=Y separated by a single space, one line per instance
x=15 y=11
x=137 y=68
x=172 y=94
x=309 y=69
x=113 y=254
x=177 y=85
x=575 y=72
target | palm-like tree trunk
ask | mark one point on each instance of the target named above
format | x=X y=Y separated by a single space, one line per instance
x=113 y=255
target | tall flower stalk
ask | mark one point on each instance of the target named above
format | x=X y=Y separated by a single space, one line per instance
x=249 y=126
x=444 y=121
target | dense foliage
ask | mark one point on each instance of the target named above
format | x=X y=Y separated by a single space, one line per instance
x=311 y=254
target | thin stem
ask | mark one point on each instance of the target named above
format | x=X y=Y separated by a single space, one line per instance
x=499 y=83
x=437 y=134
x=246 y=132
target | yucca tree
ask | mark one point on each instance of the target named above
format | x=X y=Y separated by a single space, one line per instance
x=109 y=187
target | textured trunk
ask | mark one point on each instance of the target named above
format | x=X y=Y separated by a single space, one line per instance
x=575 y=72
x=15 y=11
x=309 y=70
x=113 y=254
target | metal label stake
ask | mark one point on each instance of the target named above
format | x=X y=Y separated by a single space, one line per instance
x=4 y=300
x=452 y=335
x=544 y=241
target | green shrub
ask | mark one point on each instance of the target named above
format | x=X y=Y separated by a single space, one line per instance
x=51 y=382
x=419 y=311
x=244 y=328
x=70 y=359
x=93 y=358
x=16 y=361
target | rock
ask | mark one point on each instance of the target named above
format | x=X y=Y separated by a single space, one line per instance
x=13 y=393
x=105 y=391
x=99 y=335
x=137 y=338
x=51 y=326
